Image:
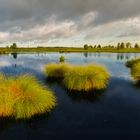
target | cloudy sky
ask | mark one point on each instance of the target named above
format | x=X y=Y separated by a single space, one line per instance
x=69 y=22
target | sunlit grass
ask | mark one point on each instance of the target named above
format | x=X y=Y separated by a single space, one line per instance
x=86 y=78
x=135 y=71
x=131 y=62
x=134 y=66
x=23 y=97
x=54 y=70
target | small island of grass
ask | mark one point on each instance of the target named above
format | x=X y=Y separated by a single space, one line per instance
x=23 y=97
x=86 y=78
x=79 y=78
x=134 y=65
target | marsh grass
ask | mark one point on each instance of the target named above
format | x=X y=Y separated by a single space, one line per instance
x=23 y=97
x=130 y=63
x=86 y=78
x=62 y=59
x=134 y=66
x=135 y=71
x=57 y=71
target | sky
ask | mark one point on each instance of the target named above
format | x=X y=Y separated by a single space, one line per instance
x=69 y=22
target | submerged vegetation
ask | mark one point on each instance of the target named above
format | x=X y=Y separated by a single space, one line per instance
x=54 y=70
x=86 y=78
x=134 y=65
x=79 y=78
x=23 y=97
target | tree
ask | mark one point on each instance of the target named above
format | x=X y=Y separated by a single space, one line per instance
x=90 y=46
x=99 y=46
x=118 y=45
x=95 y=46
x=128 y=45
x=13 y=46
x=86 y=47
x=136 y=46
x=122 y=45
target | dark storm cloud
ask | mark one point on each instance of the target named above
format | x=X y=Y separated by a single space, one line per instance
x=20 y=11
x=22 y=17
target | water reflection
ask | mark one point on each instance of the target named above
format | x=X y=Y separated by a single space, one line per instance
x=6 y=123
x=15 y=55
x=87 y=54
x=123 y=56
x=137 y=85
x=119 y=56
x=114 y=62
x=34 y=122
x=93 y=96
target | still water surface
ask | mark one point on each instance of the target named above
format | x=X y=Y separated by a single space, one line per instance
x=110 y=114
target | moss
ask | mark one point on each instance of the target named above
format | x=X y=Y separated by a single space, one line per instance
x=86 y=78
x=23 y=97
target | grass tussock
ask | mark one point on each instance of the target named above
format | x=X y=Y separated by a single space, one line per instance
x=86 y=78
x=62 y=59
x=130 y=63
x=57 y=70
x=23 y=97
x=135 y=71
x=134 y=66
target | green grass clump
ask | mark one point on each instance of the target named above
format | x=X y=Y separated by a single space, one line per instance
x=135 y=71
x=130 y=63
x=54 y=70
x=23 y=97
x=86 y=78
x=62 y=59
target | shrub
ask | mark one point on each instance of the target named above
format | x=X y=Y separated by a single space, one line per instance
x=54 y=70
x=23 y=97
x=86 y=78
x=135 y=71
x=62 y=59
x=130 y=63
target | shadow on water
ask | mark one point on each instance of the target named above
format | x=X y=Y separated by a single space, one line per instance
x=136 y=85
x=36 y=121
x=91 y=96
x=50 y=80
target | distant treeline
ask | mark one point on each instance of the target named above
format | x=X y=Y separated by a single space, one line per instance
x=119 y=48
x=121 y=45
